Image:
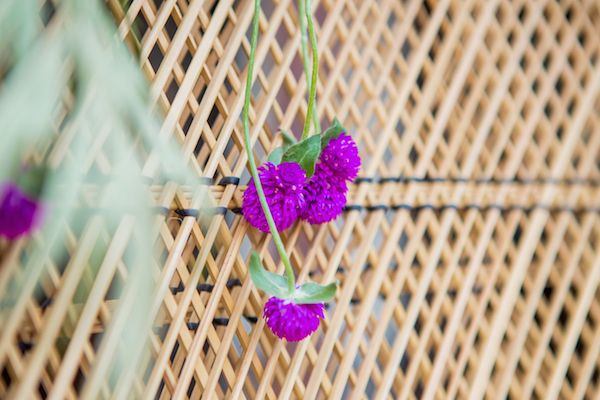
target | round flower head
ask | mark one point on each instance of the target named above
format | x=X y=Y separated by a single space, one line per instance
x=292 y=321
x=283 y=185
x=325 y=196
x=19 y=214
x=341 y=157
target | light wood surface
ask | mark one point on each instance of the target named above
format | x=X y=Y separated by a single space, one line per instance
x=472 y=270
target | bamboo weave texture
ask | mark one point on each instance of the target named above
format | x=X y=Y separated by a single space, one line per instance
x=468 y=256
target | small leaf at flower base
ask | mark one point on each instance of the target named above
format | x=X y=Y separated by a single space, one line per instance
x=268 y=282
x=288 y=139
x=332 y=132
x=275 y=156
x=277 y=153
x=306 y=153
x=311 y=293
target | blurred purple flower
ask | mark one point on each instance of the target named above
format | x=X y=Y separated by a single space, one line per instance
x=19 y=213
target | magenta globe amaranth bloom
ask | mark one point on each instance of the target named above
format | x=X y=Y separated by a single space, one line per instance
x=19 y=213
x=325 y=196
x=325 y=193
x=341 y=157
x=283 y=186
x=292 y=321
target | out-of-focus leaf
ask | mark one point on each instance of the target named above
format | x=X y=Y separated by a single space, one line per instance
x=80 y=70
x=28 y=101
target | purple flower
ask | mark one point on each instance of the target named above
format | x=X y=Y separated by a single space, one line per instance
x=283 y=185
x=19 y=214
x=341 y=157
x=325 y=193
x=292 y=321
x=325 y=196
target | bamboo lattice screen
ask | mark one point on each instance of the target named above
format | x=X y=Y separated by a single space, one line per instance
x=468 y=256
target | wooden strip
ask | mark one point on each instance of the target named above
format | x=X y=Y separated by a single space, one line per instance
x=532 y=233
x=401 y=340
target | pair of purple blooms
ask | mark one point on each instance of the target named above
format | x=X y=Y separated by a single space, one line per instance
x=318 y=200
x=291 y=196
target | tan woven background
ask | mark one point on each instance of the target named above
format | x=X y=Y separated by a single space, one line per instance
x=471 y=270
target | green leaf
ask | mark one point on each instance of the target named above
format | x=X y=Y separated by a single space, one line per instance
x=332 y=132
x=288 y=139
x=268 y=282
x=305 y=154
x=277 y=153
x=31 y=179
x=275 y=156
x=311 y=293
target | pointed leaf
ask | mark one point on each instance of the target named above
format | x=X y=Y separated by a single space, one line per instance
x=311 y=293
x=277 y=153
x=288 y=139
x=332 y=132
x=275 y=156
x=305 y=153
x=268 y=282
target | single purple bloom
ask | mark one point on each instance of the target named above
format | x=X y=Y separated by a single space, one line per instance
x=19 y=213
x=341 y=157
x=283 y=185
x=325 y=196
x=292 y=321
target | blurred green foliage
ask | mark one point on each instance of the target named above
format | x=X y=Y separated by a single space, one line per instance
x=68 y=92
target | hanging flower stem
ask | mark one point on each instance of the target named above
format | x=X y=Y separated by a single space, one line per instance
x=246 y=125
x=312 y=97
x=305 y=60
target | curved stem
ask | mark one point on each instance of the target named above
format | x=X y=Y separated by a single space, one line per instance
x=245 y=122
x=315 y=70
x=305 y=62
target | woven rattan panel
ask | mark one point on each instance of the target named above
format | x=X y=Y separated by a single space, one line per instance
x=469 y=254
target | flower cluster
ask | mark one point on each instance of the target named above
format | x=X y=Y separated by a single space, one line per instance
x=290 y=196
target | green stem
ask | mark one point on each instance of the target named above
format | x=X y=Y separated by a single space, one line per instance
x=315 y=70
x=259 y=189
x=305 y=64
